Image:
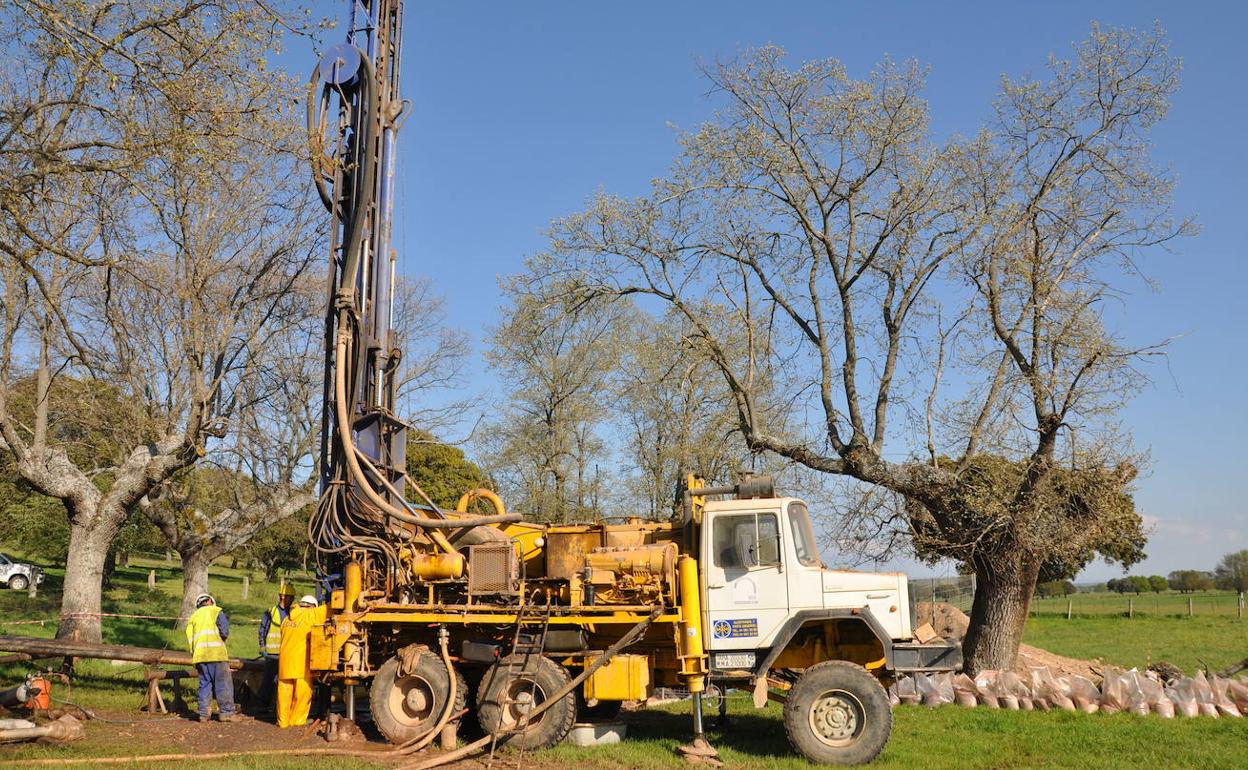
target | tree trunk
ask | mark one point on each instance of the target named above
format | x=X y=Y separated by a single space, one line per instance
x=194 y=582
x=84 y=582
x=1003 y=592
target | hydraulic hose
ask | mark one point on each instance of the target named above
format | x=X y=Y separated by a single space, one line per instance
x=473 y=521
x=348 y=446
x=633 y=635
x=416 y=744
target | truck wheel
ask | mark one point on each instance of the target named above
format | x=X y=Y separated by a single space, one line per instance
x=19 y=582
x=508 y=692
x=407 y=707
x=838 y=714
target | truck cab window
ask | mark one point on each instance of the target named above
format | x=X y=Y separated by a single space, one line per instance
x=803 y=535
x=742 y=541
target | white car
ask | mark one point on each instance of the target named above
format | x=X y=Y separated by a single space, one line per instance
x=17 y=575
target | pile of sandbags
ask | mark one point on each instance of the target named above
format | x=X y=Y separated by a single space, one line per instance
x=1042 y=691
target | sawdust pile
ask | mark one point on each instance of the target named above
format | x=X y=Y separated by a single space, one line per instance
x=951 y=623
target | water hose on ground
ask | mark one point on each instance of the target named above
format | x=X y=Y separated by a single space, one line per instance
x=624 y=641
x=416 y=744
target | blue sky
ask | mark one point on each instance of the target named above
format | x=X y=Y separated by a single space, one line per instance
x=523 y=110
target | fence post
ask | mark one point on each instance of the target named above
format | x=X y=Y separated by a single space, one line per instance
x=32 y=589
x=1131 y=606
x=1189 y=605
x=246 y=586
x=1240 y=606
x=1069 y=605
x=151 y=580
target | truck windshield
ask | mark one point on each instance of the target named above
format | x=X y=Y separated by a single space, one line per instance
x=803 y=535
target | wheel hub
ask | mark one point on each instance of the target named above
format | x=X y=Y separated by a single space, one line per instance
x=836 y=718
x=522 y=696
x=412 y=700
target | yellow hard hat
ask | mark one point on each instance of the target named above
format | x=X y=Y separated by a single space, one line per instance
x=286 y=589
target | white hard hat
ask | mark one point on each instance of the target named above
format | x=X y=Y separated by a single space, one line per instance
x=204 y=598
x=309 y=600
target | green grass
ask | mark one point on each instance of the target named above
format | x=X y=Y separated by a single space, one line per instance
x=947 y=737
x=1188 y=643
x=101 y=684
x=1167 y=603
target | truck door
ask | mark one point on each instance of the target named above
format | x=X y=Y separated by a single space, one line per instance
x=746 y=593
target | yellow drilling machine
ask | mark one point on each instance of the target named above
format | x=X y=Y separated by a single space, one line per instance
x=526 y=628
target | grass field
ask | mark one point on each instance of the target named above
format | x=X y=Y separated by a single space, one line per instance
x=1164 y=604
x=947 y=737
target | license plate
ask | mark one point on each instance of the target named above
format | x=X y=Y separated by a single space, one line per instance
x=736 y=660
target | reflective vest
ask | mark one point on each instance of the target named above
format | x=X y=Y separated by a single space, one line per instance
x=273 y=640
x=202 y=636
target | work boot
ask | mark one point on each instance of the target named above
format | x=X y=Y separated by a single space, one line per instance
x=202 y=717
x=228 y=717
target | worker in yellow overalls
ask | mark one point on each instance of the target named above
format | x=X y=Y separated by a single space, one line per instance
x=294 y=669
x=206 y=632
x=270 y=640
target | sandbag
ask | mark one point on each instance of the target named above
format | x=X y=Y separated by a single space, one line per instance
x=1133 y=686
x=1238 y=692
x=1222 y=699
x=1113 y=696
x=1182 y=692
x=1085 y=694
x=907 y=693
x=1204 y=695
x=965 y=693
x=1155 y=697
x=985 y=682
x=1056 y=690
x=934 y=690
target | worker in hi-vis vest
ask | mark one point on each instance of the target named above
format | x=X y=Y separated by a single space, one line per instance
x=271 y=641
x=294 y=665
x=206 y=632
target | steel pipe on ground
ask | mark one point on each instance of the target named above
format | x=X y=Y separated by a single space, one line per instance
x=148 y=655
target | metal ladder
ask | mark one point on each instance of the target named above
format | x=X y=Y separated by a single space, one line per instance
x=523 y=644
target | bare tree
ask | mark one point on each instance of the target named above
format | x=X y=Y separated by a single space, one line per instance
x=544 y=447
x=812 y=233
x=675 y=416
x=261 y=473
x=154 y=227
x=434 y=356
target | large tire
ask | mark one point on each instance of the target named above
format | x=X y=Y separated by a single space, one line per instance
x=19 y=582
x=408 y=707
x=506 y=695
x=838 y=714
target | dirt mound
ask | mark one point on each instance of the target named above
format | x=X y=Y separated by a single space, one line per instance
x=951 y=623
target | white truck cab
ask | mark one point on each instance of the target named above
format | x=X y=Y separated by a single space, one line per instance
x=766 y=590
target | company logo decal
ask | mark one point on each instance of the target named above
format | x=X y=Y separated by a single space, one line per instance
x=735 y=628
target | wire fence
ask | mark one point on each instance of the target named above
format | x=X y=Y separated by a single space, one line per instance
x=1164 y=604
x=959 y=591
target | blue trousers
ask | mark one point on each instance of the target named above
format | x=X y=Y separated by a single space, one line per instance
x=216 y=681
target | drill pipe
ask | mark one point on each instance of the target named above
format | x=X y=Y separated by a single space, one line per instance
x=148 y=655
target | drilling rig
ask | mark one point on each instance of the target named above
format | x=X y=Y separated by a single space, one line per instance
x=539 y=626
